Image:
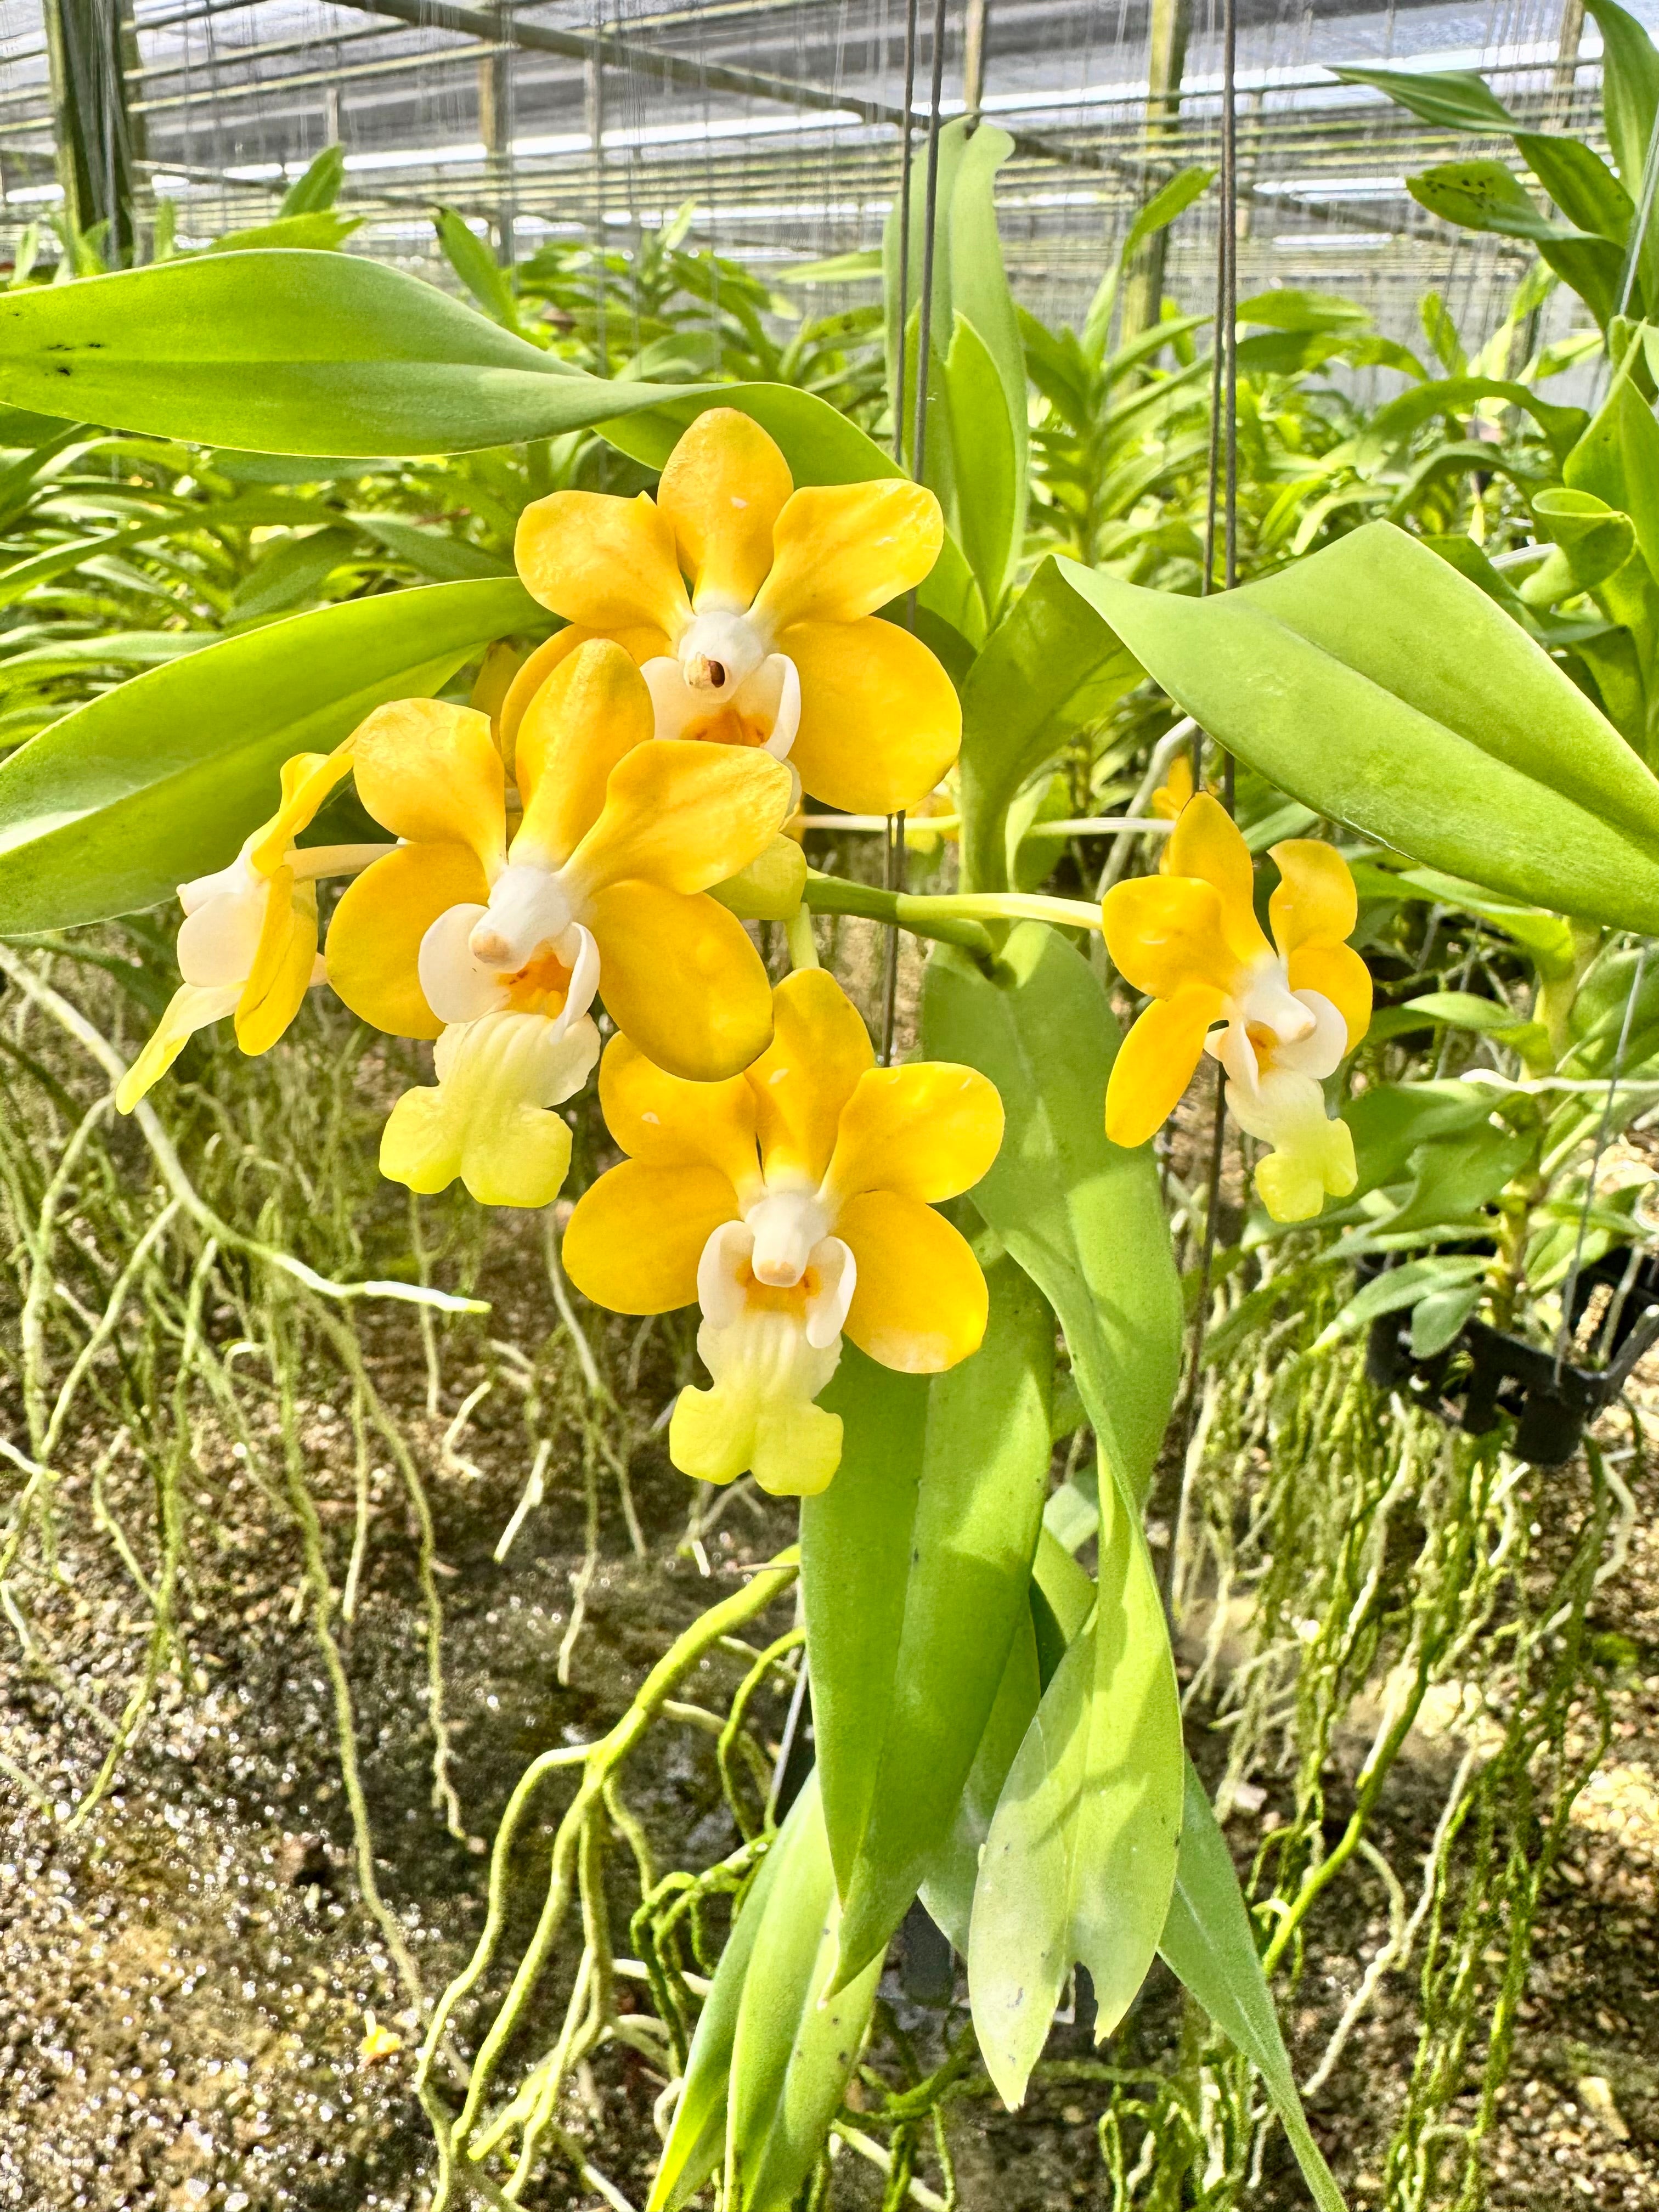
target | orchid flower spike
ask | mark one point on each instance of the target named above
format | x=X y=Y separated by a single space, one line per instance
x=794 y=1204
x=776 y=644
x=460 y=936
x=1292 y=1009
x=248 y=944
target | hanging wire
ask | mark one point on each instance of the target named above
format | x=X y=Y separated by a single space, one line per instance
x=905 y=141
x=1569 y=1288
x=1223 y=483
x=894 y=871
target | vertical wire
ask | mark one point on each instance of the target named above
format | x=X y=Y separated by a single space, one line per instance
x=904 y=227
x=894 y=873
x=1564 y=1333
x=1223 y=475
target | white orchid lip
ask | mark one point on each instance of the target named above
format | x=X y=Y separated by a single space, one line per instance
x=718 y=651
x=765 y=704
x=460 y=986
x=734 y=1296
x=529 y=907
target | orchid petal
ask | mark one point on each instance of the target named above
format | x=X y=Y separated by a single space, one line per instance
x=606 y=563
x=307 y=780
x=928 y=1131
x=594 y=709
x=193 y=1006
x=683 y=816
x=920 y=1303
x=637 y=1234
x=1164 y=934
x=374 y=939
x=723 y=488
x=489 y=1119
x=880 y=721
x=1208 y=844
x=1156 y=1063
x=1314 y=901
x=282 y=968
x=1336 y=972
x=669 y=1123
x=430 y=772
x=819 y=1050
x=843 y=550
x=680 y=978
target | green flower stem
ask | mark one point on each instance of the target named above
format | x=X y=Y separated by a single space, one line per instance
x=953 y=918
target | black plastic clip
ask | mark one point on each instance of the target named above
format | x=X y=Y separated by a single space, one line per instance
x=1484 y=1375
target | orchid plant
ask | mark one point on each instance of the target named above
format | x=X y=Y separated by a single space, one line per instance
x=590 y=776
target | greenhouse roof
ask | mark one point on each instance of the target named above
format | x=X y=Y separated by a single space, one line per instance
x=775 y=125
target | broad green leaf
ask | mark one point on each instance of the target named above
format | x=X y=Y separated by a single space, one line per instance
x=290 y=572
x=469 y=257
x=433 y=554
x=1617 y=461
x=1397 y=1287
x=914 y=1564
x=988 y=473
x=1579 y=182
x=1484 y=196
x=290 y=353
x=1456 y=99
x=1080 y=1859
x=118 y=648
x=821 y=446
x=1464 y=1009
x=320 y=230
x=1439 y=1317
x=988 y=488
x=1209 y=1944
x=1379 y=687
x=1389 y=1120
x=1169 y=203
x=1041 y=678
x=1456 y=1182
x=1067 y=1589
x=1597 y=539
x=794 y=2045
x=981 y=298
x=947 y=1888
x=1290 y=307
x=161 y=778
x=1630 y=90
x=1082 y=1216
x=320 y=187
x=696 y=2140
x=1397 y=419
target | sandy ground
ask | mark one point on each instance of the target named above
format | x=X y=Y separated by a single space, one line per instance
x=186 y=1984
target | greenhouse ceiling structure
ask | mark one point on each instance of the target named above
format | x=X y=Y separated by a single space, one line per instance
x=773 y=127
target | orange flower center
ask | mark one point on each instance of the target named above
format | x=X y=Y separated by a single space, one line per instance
x=540 y=987
x=774 y=1297
x=727 y=727
x=1264 y=1043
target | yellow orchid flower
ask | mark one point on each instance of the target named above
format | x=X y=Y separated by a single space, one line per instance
x=792 y=1203
x=248 y=943
x=1176 y=788
x=1292 y=1009
x=777 y=644
x=602 y=889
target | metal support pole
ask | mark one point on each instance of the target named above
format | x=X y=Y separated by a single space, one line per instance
x=595 y=105
x=973 y=55
x=1564 y=75
x=495 y=132
x=1171 y=23
x=93 y=129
